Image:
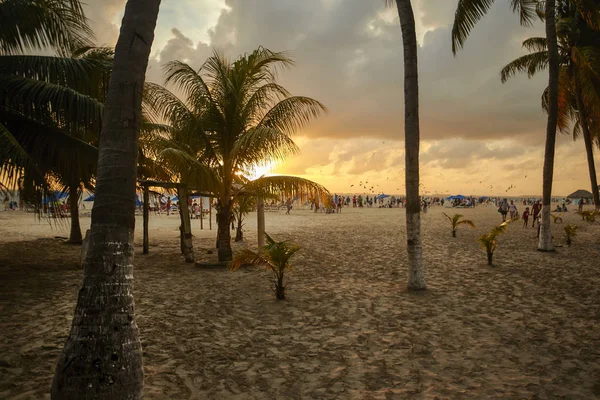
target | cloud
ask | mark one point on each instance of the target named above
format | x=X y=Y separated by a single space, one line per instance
x=349 y=56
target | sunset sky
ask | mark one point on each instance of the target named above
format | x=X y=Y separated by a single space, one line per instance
x=478 y=136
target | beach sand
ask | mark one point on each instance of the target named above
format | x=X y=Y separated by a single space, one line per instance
x=527 y=328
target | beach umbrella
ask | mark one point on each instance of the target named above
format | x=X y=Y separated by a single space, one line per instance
x=457 y=197
x=54 y=196
x=580 y=194
x=382 y=196
x=91 y=198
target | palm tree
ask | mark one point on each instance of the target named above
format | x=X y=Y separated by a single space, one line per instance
x=50 y=115
x=468 y=13
x=275 y=256
x=49 y=104
x=488 y=241
x=416 y=273
x=455 y=222
x=102 y=358
x=235 y=115
x=579 y=82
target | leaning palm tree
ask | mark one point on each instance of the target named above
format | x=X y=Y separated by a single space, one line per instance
x=579 y=81
x=416 y=273
x=275 y=256
x=102 y=357
x=456 y=221
x=468 y=13
x=235 y=114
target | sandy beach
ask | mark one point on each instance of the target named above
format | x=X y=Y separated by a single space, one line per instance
x=527 y=328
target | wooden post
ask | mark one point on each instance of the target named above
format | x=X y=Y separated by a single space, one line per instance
x=201 y=212
x=187 y=248
x=146 y=217
x=260 y=215
x=210 y=213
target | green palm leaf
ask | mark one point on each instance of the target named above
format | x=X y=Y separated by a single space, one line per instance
x=35 y=24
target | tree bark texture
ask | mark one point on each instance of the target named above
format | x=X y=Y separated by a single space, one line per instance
x=260 y=222
x=416 y=274
x=102 y=357
x=146 y=245
x=545 y=243
x=187 y=247
x=223 y=232
x=74 y=193
x=239 y=232
x=589 y=146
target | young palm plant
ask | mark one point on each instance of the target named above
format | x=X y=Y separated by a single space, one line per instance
x=274 y=256
x=570 y=233
x=455 y=222
x=488 y=241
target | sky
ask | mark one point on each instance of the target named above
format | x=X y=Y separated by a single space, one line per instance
x=478 y=136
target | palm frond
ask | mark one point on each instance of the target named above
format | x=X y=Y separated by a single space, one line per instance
x=292 y=114
x=248 y=257
x=36 y=24
x=466 y=222
x=260 y=145
x=530 y=63
x=290 y=185
x=469 y=12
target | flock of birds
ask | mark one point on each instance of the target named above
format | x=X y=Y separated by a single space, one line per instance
x=372 y=189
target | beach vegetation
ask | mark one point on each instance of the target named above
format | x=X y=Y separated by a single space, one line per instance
x=570 y=233
x=488 y=240
x=233 y=116
x=456 y=221
x=274 y=256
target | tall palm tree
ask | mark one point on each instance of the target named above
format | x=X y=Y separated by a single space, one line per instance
x=545 y=243
x=102 y=358
x=236 y=115
x=579 y=81
x=468 y=13
x=416 y=273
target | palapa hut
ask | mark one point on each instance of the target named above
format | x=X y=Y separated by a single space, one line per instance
x=580 y=194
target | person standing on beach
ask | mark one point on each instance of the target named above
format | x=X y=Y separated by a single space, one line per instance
x=288 y=204
x=536 y=208
x=580 y=204
x=503 y=209
x=168 y=206
x=525 y=217
x=513 y=210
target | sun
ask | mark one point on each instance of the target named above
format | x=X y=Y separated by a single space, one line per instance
x=263 y=169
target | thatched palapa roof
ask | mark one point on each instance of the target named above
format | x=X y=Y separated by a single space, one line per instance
x=580 y=194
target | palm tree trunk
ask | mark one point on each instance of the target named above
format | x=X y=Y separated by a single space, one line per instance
x=102 y=357
x=224 y=233
x=187 y=247
x=260 y=221
x=416 y=274
x=239 y=233
x=489 y=258
x=589 y=146
x=545 y=243
x=75 y=235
